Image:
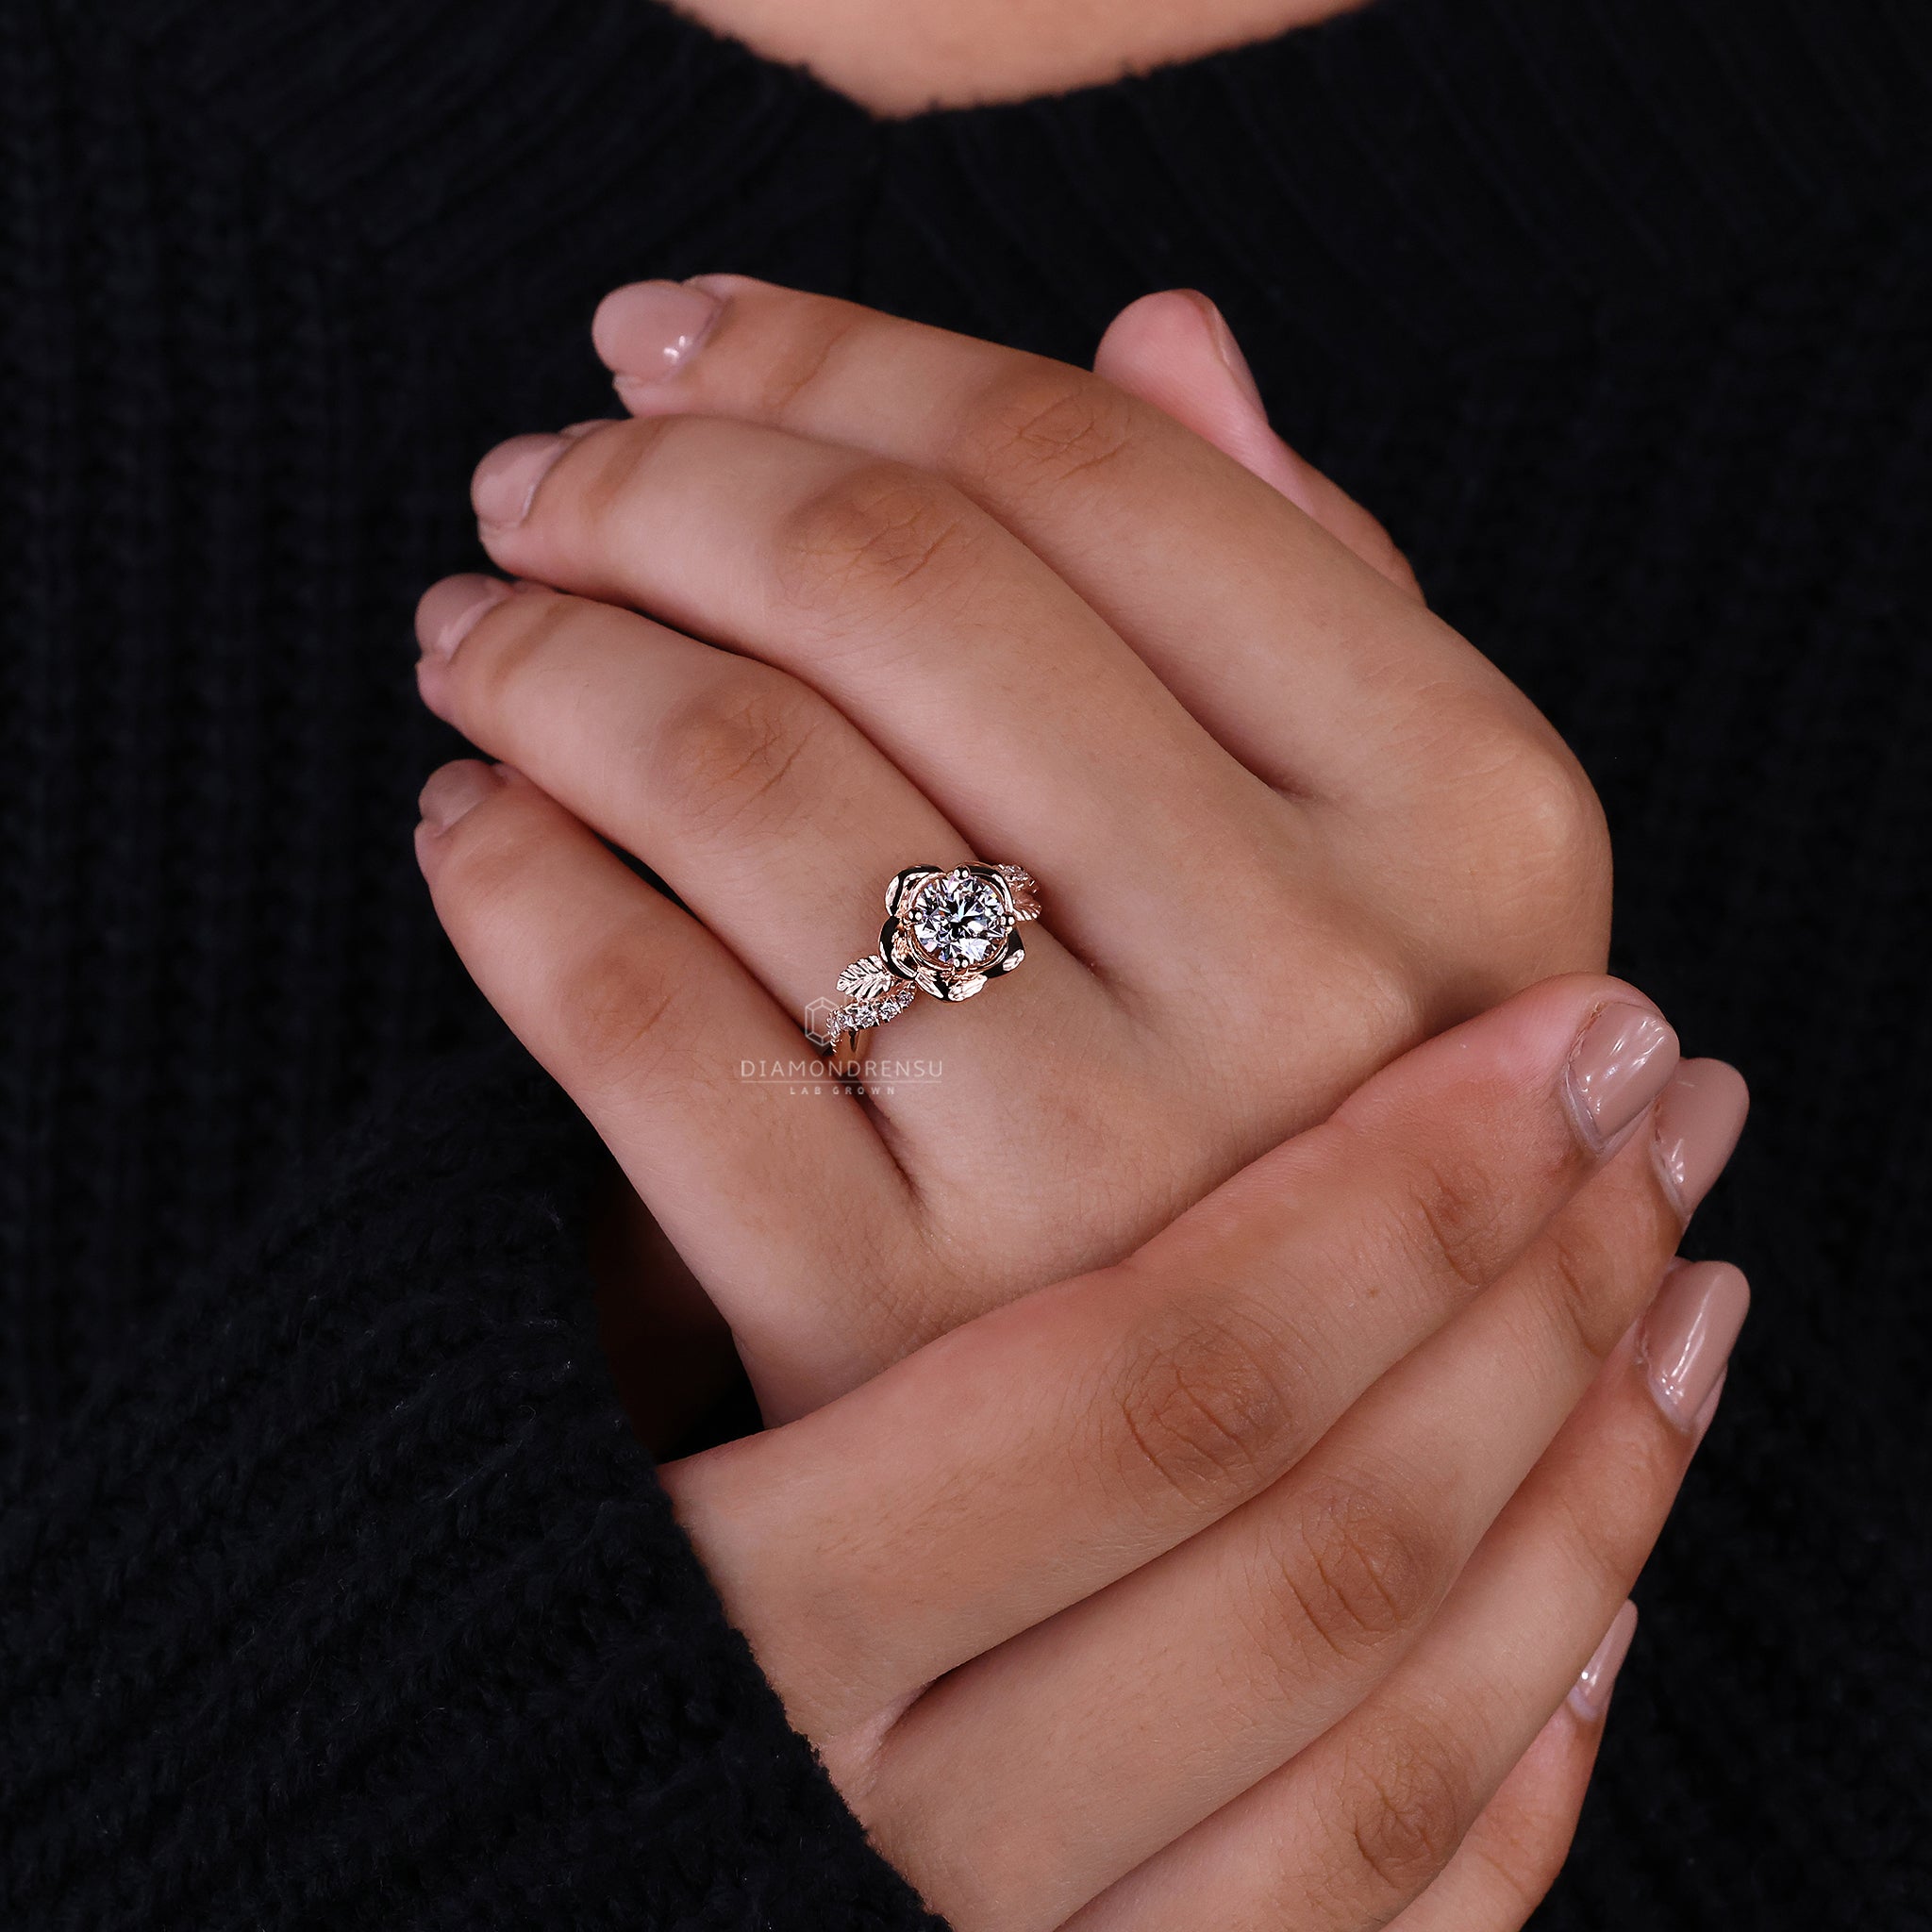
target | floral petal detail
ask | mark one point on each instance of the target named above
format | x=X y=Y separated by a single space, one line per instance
x=902 y=884
x=900 y=955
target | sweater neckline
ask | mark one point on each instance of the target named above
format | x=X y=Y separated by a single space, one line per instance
x=1456 y=178
x=1423 y=176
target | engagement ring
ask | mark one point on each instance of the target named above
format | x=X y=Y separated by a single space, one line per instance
x=947 y=932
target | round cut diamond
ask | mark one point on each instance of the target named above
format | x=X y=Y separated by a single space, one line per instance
x=958 y=919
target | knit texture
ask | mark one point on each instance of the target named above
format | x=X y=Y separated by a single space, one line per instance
x=333 y=1592
x=352 y=1601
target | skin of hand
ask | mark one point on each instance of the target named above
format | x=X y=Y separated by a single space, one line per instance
x=918 y=599
x=1344 y=1474
x=608 y=982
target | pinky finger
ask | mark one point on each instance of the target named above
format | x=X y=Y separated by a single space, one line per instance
x=1175 y=350
x=1505 y=1865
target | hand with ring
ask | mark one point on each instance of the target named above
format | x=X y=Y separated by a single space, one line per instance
x=1345 y=1468
x=848 y=594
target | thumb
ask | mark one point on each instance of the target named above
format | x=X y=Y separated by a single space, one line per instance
x=1175 y=350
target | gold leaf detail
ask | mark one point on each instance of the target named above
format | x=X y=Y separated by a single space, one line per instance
x=867 y=979
x=1024 y=889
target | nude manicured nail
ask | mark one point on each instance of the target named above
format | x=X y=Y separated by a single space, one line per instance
x=651 y=329
x=1688 y=1336
x=449 y=611
x=1230 y=353
x=454 y=791
x=1617 y=1068
x=1698 y=1120
x=506 y=481
x=1589 y=1697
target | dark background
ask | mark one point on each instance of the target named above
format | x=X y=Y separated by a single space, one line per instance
x=1618 y=318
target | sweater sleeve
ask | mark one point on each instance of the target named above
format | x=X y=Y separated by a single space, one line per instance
x=351 y=1601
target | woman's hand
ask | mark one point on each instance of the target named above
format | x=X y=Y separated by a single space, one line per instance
x=1221 y=1588
x=974 y=604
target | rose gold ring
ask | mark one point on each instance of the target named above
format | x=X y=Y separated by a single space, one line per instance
x=948 y=930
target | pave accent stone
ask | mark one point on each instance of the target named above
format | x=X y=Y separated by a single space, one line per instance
x=862 y=1016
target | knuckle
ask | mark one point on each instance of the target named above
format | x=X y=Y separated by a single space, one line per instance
x=1525 y=1854
x=723 y=758
x=1523 y=815
x=1604 y=1530
x=877 y=534
x=1405 y=1803
x=620 y=1003
x=807 y=356
x=498 y=656
x=1582 y=1272
x=1359 y=1573
x=1201 y=1403
x=489 y=856
x=1598 y=1263
x=1044 y=423
x=1556 y=821
x=610 y=1005
x=608 y=473
x=1451 y=1215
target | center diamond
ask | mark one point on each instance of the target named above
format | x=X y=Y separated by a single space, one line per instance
x=958 y=919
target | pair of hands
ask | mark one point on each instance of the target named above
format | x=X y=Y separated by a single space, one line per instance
x=1332 y=1444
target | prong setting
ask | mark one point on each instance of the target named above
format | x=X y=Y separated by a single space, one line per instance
x=947 y=932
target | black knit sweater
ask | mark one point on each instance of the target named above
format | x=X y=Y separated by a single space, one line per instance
x=333 y=1589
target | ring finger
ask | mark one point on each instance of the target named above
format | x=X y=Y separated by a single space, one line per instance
x=749 y=796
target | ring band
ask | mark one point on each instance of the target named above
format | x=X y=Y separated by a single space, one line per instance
x=948 y=930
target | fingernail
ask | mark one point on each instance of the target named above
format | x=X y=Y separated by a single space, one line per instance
x=1230 y=353
x=449 y=611
x=506 y=481
x=454 y=791
x=1696 y=1127
x=1689 y=1333
x=1590 y=1696
x=651 y=329
x=1617 y=1068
